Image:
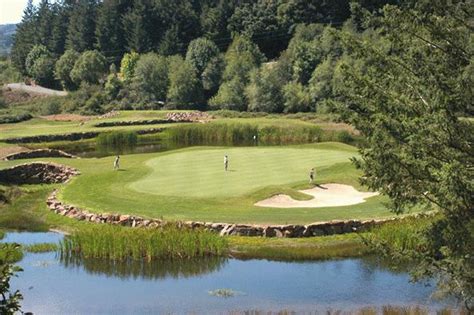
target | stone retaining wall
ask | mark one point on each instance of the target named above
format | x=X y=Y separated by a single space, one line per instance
x=189 y=116
x=37 y=173
x=38 y=154
x=289 y=230
x=75 y=136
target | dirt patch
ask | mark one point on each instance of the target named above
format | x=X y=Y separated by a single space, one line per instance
x=5 y=151
x=14 y=97
x=68 y=117
x=326 y=195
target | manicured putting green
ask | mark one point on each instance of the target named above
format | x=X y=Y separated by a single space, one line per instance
x=200 y=173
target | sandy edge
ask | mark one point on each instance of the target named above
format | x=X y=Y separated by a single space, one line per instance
x=325 y=195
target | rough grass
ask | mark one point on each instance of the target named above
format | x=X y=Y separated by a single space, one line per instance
x=120 y=244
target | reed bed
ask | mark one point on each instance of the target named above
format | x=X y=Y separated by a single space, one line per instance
x=117 y=141
x=245 y=134
x=400 y=239
x=122 y=244
x=41 y=248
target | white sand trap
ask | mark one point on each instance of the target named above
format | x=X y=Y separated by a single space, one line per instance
x=326 y=195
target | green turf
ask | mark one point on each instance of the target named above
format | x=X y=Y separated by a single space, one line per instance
x=101 y=189
x=200 y=173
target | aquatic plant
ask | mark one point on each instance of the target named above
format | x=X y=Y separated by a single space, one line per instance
x=225 y=293
x=121 y=244
x=41 y=247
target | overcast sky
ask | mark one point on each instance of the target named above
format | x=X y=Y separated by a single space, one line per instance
x=12 y=10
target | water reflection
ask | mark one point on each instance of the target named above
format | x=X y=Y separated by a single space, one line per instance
x=133 y=269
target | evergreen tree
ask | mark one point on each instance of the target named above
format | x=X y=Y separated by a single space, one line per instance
x=81 y=28
x=44 y=24
x=109 y=29
x=24 y=38
x=137 y=28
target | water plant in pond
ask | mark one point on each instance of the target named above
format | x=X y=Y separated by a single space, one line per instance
x=225 y=293
x=41 y=247
x=120 y=244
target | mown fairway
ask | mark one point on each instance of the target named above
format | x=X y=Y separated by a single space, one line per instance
x=200 y=173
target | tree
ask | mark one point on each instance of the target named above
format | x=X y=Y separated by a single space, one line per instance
x=184 y=87
x=151 y=78
x=320 y=84
x=113 y=84
x=24 y=38
x=212 y=75
x=81 y=28
x=90 y=68
x=296 y=98
x=9 y=301
x=136 y=24
x=63 y=68
x=231 y=96
x=128 y=65
x=109 y=30
x=200 y=52
x=241 y=58
x=264 y=93
x=407 y=102
x=40 y=64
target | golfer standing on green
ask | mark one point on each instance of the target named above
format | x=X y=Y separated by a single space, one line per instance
x=117 y=162
x=311 y=175
x=226 y=162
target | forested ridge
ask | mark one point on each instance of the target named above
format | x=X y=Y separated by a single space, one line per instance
x=186 y=54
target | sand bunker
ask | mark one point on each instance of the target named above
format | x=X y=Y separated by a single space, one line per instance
x=326 y=195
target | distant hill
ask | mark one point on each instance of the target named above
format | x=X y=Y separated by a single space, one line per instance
x=6 y=37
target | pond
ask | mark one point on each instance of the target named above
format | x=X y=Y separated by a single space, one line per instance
x=53 y=286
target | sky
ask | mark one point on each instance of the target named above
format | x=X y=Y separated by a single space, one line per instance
x=12 y=10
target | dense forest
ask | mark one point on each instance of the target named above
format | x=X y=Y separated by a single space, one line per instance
x=267 y=55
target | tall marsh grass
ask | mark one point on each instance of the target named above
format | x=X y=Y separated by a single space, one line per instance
x=122 y=244
x=117 y=141
x=401 y=239
x=243 y=134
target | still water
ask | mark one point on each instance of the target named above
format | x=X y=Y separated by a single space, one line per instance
x=53 y=286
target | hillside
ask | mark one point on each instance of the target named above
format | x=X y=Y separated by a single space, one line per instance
x=6 y=37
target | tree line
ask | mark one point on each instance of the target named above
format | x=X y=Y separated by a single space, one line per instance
x=187 y=54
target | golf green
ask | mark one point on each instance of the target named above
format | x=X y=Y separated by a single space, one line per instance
x=191 y=184
x=201 y=173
